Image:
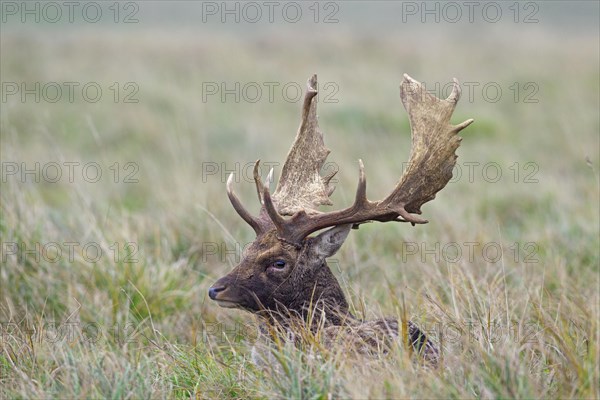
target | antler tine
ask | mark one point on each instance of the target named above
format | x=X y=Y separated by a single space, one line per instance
x=311 y=91
x=260 y=186
x=456 y=91
x=360 y=200
x=269 y=179
x=276 y=218
x=462 y=125
x=257 y=181
x=237 y=205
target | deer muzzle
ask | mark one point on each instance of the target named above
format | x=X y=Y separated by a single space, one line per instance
x=221 y=293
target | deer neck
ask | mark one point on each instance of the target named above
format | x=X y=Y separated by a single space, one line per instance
x=319 y=303
x=330 y=297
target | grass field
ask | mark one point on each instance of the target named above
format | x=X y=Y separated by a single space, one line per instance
x=114 y=219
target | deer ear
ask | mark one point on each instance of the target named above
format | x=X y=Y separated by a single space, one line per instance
x=329 y=242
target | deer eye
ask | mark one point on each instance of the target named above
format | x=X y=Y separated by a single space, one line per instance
x=279 y=264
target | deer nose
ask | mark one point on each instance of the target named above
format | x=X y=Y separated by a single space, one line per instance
x=214 y=290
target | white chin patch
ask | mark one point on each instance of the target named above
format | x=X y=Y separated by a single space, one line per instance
x=226 y=304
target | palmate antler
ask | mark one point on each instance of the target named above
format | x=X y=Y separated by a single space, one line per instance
x=301 y=189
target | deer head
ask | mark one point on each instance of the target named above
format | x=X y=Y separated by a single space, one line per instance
x=284 y=269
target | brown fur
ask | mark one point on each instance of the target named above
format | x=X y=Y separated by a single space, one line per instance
x=307 y=291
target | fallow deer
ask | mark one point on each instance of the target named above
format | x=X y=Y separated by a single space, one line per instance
x=284 y=277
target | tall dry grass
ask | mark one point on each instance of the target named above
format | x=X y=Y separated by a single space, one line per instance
x=136 y=322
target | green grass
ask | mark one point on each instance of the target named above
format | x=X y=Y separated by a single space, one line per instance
x=137 y=322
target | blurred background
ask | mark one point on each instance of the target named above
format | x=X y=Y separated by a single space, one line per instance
x=120 y=122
